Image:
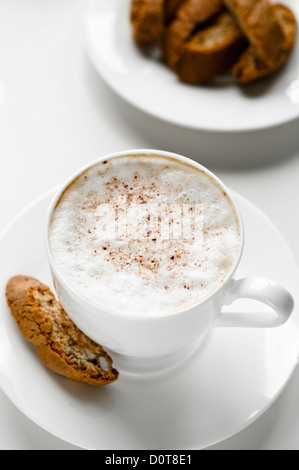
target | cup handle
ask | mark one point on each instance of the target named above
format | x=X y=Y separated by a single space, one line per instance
x=263 y=290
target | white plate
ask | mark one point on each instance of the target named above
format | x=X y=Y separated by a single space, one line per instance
x=148 y=84
x=233 y=378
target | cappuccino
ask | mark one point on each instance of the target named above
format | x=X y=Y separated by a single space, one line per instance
x=144 y=235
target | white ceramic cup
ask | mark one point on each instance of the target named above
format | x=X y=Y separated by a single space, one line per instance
x=161 y=337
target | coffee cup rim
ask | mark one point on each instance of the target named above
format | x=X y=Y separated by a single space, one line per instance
x=69 y=181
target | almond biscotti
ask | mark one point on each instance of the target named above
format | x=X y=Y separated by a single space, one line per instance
x=260 y=25
x=171 y=7
x=188 y=16
x=61 y=346
x=212 y=51
x=251 y=67
x=147 y=18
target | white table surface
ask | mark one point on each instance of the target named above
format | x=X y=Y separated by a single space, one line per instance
x=58 y=115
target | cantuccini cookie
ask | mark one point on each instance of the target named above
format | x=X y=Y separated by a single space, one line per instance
x=212 y=51
x=188 y=16
x=260 y=24
x=147 y=18
x=251 y=66
x=61 y=346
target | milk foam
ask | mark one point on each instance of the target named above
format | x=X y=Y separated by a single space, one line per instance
x=141 y=273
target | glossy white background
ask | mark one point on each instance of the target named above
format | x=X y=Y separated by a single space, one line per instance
x=56 y=115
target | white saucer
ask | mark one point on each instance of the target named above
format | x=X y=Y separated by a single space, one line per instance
x=232 y=379
x=148 y=84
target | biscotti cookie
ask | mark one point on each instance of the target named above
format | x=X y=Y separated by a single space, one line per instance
x=212 y=51
x=260 y=25
x=189 y=15
x=61 y=346
x=147 y=18
x=171 y=7
x=251 y=67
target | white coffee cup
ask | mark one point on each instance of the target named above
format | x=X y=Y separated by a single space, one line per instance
x=157 y=338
